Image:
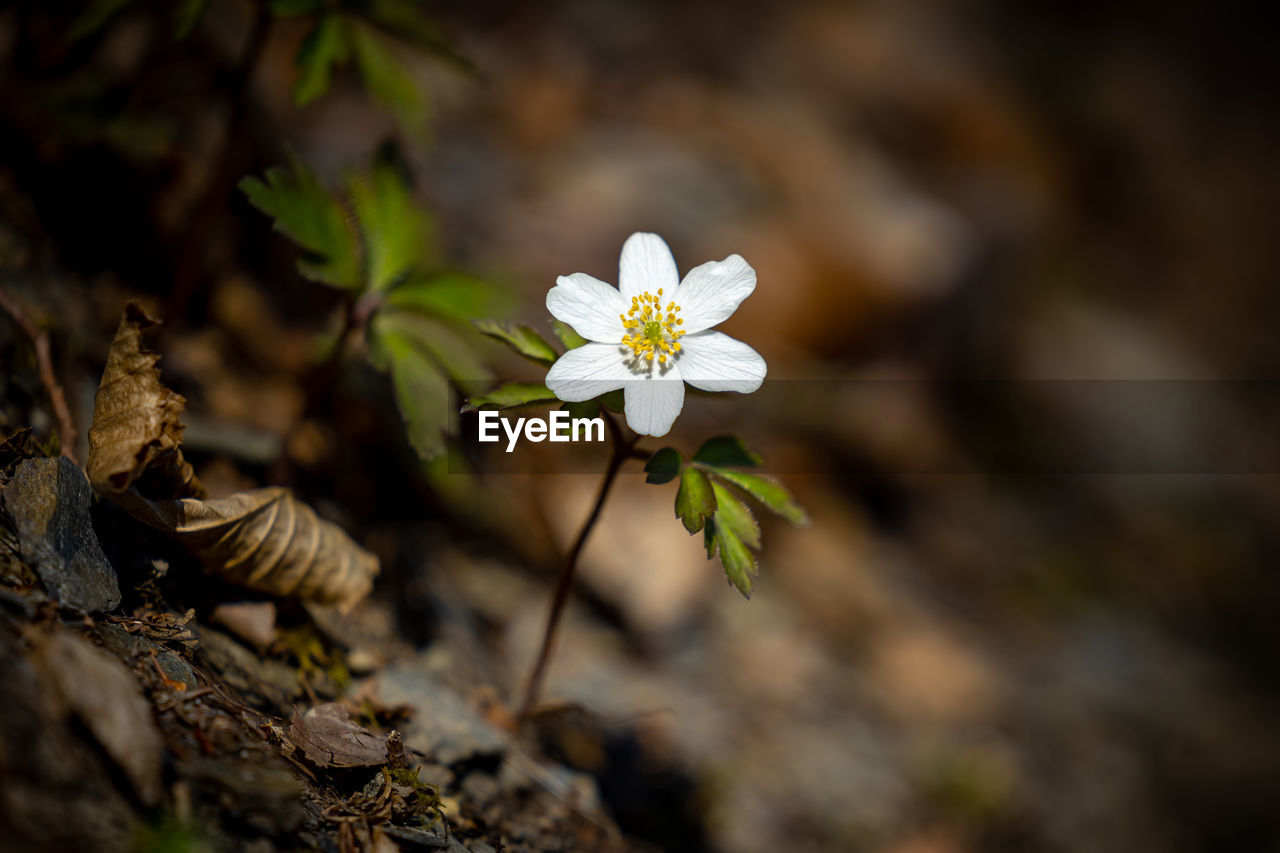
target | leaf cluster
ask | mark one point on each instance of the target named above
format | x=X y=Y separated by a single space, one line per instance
x=710 y=499
x=374 y=243
x=380 y=37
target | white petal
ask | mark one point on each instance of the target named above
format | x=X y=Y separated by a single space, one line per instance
x=713 y=361
x=653 y=403
x=646 y=265
x=588 y=371
x=713 y=291
x=592 y=307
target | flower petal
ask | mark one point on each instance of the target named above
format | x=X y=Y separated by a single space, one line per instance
x=588 y=371
x=652 y=402
x=646 y=264
x=713 y=291
x=713 y=361
x=589 y=305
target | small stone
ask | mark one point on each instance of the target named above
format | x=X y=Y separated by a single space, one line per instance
x=48 y=503
x=442 y=725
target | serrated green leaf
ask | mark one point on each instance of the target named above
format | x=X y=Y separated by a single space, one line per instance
x=294 y=8
x=511 y=394
x=663 y=466
x=186 y=15
x=695 y=501
x=520 y=338
x=768 y=491
x=738 y=561
x=305 y=213
x=95 y=17
x=326 y=45
x=735 y=516
x=726 y=450
x=566 y=335
x=396 y=232
x=614 y=401
x=422 y=394
x=451 y=296
x=387 y=78
x=446 y=348
x=709 y=537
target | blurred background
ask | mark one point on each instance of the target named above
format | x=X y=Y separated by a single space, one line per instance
x=950 y=205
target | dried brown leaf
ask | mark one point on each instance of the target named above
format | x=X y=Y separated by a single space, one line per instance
x=135 y=419
x=328 y=738
x=267 y=540
x=263 y=539
x=95 y=686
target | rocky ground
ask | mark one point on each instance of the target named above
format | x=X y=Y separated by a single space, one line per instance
x=1029 y=614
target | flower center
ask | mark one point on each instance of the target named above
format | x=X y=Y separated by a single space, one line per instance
x=651 y=329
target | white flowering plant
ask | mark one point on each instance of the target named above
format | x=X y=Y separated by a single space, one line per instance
x=631 y=349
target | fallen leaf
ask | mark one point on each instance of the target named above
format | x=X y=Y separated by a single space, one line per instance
x=266 y=540
x=328 y=738
x=135 y=418
x=96 y=687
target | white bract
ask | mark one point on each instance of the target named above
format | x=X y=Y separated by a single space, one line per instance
x=652 y=334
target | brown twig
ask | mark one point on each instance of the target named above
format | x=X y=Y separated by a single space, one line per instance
x=57 y=398
x=622 y=451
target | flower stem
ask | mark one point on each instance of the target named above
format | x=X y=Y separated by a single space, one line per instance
x=622 y=451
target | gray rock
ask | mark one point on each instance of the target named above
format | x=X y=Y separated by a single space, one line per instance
x=48 y=503
x=442 y=723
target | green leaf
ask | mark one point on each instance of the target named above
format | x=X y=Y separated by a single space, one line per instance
x=95 y=17
x=520 y=338
x=735 y=516
x=738 y=561
x=451 y=296
x=614 y=401
x=695 y=501
x=444 y=346
x=187 y=14
x=566 y=335
x=327 y=45
x=709 y=537
x=422 y=394
x=387 y=78
x=768 y=491
x=663 y=466
x=396 y=232
x=726 y=450
x=511 y=394
x=294 y=8
x=308 y=215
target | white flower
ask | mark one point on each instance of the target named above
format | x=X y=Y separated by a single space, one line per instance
x=652 y=334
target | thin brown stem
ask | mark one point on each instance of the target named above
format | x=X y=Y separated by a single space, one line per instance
x=621 y=453
x=57 y=398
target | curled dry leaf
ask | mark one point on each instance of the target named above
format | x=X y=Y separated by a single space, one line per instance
x=265 y=539
x=135 y=418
